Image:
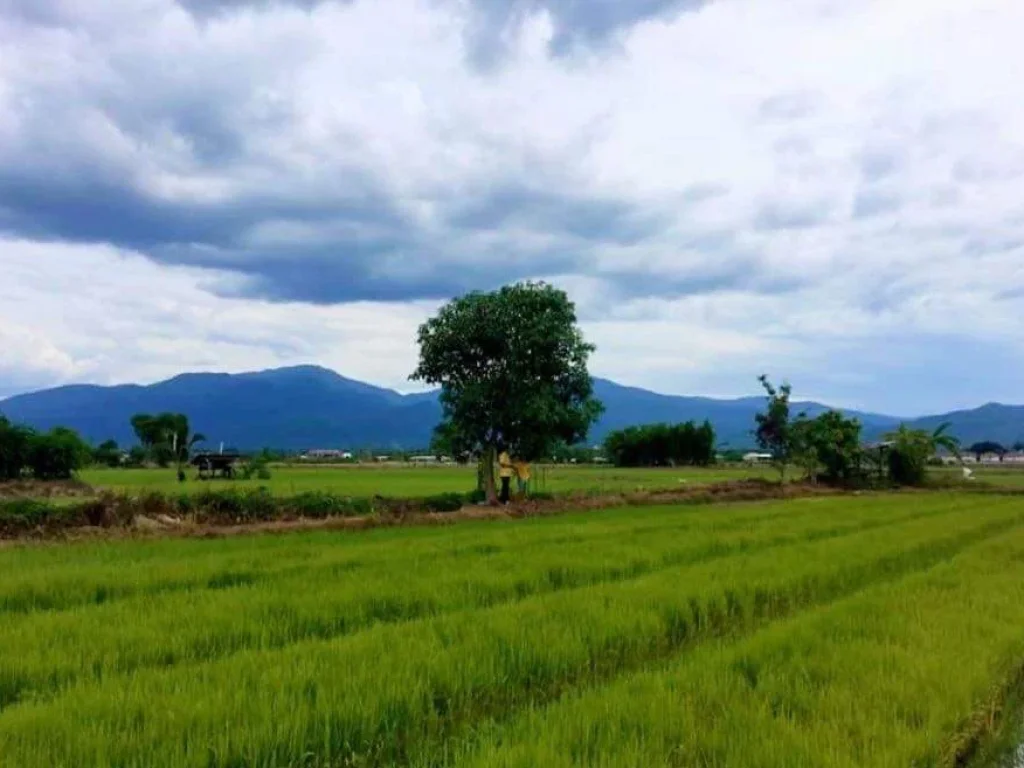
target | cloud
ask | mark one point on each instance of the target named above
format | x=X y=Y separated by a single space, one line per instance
x=800 y=182
x=574 y=24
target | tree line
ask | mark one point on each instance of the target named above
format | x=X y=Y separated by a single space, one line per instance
x=662 y=445
x=53 y=455
x=59 y=453
x=828 y=447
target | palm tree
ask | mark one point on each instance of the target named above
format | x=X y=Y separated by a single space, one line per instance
x=942 y=440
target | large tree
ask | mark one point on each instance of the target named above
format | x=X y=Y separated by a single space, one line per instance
x=166 y=437
x=512 y=367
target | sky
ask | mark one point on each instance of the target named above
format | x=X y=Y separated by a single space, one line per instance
x=828 y=191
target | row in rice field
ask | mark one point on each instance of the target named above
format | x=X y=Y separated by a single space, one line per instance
x=55 y=577
x=315 y=596
x=413 y=691
x=909 y=673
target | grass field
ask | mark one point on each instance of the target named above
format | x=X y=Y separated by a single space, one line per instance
x=874 y=630
x=409 y=481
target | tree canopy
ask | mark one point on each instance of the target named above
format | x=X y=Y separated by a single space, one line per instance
x=165 y=437
x=512 y=367
x=830 y=442
x=912 y=448
x=654 y=445
x=53 y=455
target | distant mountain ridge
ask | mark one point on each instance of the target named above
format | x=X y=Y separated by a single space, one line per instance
x=311 y=407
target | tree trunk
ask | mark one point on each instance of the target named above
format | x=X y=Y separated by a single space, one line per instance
x=487 y=465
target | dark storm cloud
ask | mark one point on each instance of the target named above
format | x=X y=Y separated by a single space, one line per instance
x=523 y=207
x=363 y=245
x=577 y=23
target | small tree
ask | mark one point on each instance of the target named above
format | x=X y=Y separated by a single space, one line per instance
x=512 y=367
x=987 y=446
x=57 y=454
x=832 y=442
x=774 y=431
x=107 y=453
x=911 y=449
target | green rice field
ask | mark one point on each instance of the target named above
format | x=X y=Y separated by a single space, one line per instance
x=411 y=481
x=861 y=630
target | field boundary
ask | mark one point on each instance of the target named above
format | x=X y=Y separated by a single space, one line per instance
x=122 y=515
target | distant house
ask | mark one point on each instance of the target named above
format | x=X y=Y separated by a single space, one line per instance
x=757 y=458
x=423 y=459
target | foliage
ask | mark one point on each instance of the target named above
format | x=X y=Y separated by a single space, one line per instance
x=57 y=454
x=257 y=468
x=166 y=437
x=986 y=446
x=830 y=441
x=53 y=455
x=774 y=431
x=512 y=367
x=14 y=449
x=448 y=441
x=136 y=457
x=444 y=502
x=660 y=445
x=108 y=454
x=912 y=448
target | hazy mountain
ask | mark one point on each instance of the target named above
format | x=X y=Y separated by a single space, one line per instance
x=310 y=407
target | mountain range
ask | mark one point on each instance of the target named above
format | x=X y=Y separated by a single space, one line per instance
x=309 y=407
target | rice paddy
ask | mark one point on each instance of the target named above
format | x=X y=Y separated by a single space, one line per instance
x=406 y=481
x=880 y=629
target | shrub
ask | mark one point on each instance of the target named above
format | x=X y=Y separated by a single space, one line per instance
x=444 y=502
x=26 y=513
x=259 y=504
x=317 y=505
x=215 y=506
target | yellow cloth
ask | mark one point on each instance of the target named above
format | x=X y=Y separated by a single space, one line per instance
x=522 y=470
x=505 y=464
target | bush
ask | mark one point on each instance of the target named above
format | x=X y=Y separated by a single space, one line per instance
x=319 y=505
x=26 y=512
x=444 y=502
x=255 y=468
x=24 y=515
